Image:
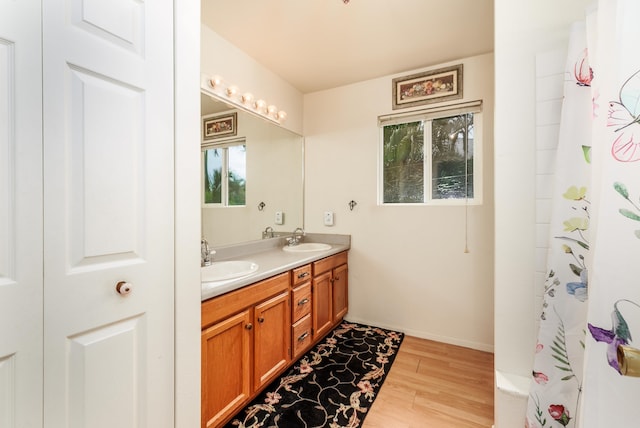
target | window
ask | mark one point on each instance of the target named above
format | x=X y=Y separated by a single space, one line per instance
x=432 y=158
x=225 y=173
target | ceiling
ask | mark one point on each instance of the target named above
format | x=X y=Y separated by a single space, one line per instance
x=321 y=44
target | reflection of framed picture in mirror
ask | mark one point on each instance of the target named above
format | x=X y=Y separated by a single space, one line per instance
x=220 y=126
x=430 y=87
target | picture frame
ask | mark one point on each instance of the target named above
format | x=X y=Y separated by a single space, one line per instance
x=220 y=126
x=428 y=87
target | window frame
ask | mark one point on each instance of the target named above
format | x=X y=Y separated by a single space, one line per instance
x=428 y=116
x=224 y=145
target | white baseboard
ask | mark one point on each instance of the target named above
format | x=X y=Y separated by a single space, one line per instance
x=424 y=335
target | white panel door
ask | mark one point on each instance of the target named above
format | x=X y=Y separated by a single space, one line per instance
x=108 y=213
x=20 y=214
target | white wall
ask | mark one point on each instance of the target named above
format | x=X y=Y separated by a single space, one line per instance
x=407 y=266
x=219 y=57
x=523 y=28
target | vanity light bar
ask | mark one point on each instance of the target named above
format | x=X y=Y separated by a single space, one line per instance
x=245 y=101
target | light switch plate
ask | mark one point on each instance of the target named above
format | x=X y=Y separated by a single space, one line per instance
x=279 y=217
x=328 y=218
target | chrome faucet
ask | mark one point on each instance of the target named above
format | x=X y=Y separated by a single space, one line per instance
x=267 y=233
x=206 y=253
x=297 y=236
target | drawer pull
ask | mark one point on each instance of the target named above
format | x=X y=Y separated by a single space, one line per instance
x=260 y=319
x=303 y=336
x=303 y=302
x=303 y=274
x=248 y=326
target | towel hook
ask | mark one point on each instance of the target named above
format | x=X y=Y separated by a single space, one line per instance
x=352 y=204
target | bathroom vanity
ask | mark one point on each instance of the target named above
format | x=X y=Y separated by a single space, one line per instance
x=255 y=327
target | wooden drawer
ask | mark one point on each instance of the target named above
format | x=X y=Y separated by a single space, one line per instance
x=329 y=263
x=301 y=336
x=301 y=301
x=301 y=274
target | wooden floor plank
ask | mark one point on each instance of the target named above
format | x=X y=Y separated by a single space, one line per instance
x=435 y=385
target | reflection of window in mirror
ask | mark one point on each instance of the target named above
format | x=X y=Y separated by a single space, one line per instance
x=224 y=168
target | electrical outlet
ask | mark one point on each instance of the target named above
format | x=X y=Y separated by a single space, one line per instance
x=328 y=218
x=279 y=217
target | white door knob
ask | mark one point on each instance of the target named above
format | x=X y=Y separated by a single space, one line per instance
x=123 y=288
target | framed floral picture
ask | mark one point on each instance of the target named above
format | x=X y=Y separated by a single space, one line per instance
x=429 y=87
x=220 y=126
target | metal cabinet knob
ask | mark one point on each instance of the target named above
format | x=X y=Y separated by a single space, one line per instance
x=248 y=326
x=260 y=319
x=123 y=288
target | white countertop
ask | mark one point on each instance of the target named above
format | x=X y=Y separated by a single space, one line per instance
x=271 y=260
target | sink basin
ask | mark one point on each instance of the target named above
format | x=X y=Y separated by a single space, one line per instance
x=220 y=271
x=307 y=247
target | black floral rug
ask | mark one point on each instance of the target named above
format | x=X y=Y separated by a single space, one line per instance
x=332 y=386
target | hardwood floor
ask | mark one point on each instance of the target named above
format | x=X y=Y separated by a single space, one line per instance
x=435 y=385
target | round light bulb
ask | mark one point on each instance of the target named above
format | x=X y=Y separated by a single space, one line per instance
x=282 y=115
x=272 y=109
x=247 y=98
x=260 y=105
x=215 y=81
x=232 y=90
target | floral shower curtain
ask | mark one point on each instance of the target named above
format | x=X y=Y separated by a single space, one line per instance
x=587 y=365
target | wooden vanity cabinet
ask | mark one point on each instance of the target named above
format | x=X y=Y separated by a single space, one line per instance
x=330 y=293
x=251 y=335
x=246 y=343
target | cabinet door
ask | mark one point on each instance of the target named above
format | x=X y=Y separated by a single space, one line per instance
x=322 y=305
x=340 y=293
x=226 y=368
x=272 y=341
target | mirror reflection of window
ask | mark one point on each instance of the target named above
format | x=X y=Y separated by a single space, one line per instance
x=213 y=176
x=225 y=174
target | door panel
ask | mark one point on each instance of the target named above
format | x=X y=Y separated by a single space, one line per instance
x=108 y=204
x=272 y=338
x=104 y=373
x=322 y=308
x=340 y=292
x=226 y=367
x=105 y=160
x=20 y=214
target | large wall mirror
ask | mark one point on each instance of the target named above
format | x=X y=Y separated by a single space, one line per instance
x=273 y=162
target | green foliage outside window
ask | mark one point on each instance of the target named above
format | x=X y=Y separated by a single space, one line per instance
x=449 y=170
x=229 y=162
x=403 y=171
